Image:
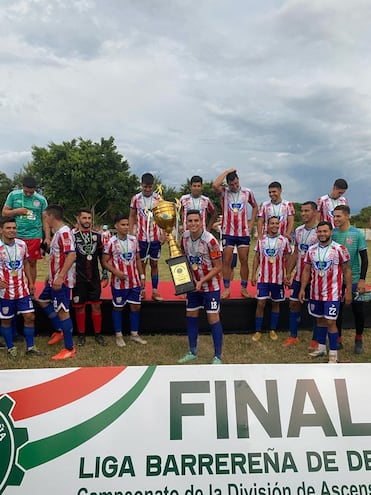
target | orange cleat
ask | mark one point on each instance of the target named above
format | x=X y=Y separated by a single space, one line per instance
x=290 y=341
x=55 y=338
x=65 y=354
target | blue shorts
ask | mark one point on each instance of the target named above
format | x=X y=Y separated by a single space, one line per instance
x=11 y=307
x=235 y=240
x=324 y=309
x=295 y=289
x=208 y=300
x=59 y=298
x=276 y=292
x=122 y=296
x=150 y=250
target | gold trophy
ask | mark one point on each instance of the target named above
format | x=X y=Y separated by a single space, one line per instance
x=165 y=215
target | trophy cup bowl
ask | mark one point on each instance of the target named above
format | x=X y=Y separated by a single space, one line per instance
x=165 y=214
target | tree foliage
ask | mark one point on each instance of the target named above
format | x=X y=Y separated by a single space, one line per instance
x=82 y=173
x=362 y=219
x=207 y=190
x=6 y=185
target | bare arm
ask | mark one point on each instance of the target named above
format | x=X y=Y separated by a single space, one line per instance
x=347 y=273
x=10 y=212
x=132 y=220
x=68 y=262
x=255 y=266
x=217 y=184
x=290 y=226
x=305 y=277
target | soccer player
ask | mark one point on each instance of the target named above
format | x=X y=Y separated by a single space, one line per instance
x=236 y=227
x=121 y=257
x=271 y=253
x=327 y=203
x=89 y=250
x=28 y=207
x=305 y=236
x=276 y=207
x=55 y=297
x=149 y=234
x=197 y=201
x=325 y=265
x=354 y=240
x=16 y=285
x=203 y=253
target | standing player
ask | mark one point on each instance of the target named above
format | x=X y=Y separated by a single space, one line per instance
x=327 y=203
x=89 y=250
x=55 y=297
x=276 y=207
x=197 y=201
x=325 y=265
x=148 y=232
x=271 y=253
x=16 y=285
x=203 y=253
x=354 y=240
x=121 y=257
x=305 y=236
x=236 y=227
x=28 y=207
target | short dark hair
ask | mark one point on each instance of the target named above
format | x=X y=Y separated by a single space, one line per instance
x=196 y=178
x=29 y=181
x=323 y=223
x=85 y=209
x=344 y=208
x=4 y=220
x=273 y=216
x=148 y=179
x=193 y=212
x=341 y=184
x=119 y=217
x=313 y=204
x=231 y=176
x=275 y=184
x=56 y=210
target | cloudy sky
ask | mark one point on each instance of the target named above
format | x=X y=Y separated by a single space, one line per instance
x=281 y=90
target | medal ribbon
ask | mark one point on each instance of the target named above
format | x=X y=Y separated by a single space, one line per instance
x=13 y=264
x=88 y=241
x=324 y=256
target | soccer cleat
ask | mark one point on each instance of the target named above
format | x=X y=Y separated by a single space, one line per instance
x=290 y=341
x=188 y=357
x=55 y=338
x=157 y=297
x=273 y=335
x=81 y=340
x=256 y=337
x=244 y=293
x=216 y=360
x=12 y=352
x=64 y=354
x=332 y=357
x=138 y=339
x=34 y=351
x=358 y=347
x=226 y=294
x=317 y=353
x=313 y=346
x=120 y=342
x=99 y=339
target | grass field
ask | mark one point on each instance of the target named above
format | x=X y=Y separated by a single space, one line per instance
x=167 y=349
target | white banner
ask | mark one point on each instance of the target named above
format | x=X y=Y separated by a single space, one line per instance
x=187 y=430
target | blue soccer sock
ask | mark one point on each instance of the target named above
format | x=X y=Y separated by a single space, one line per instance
x=67 y=329
x=117 y=321
x=227 y=283
x=14 y=326
x=321 y=335
x=244 y=284
x=333 y=341
x=134 y=321
x=274 y=320
x=294 y=320
x=53 y=317
x=192 y=332
x=6 y=332
x=315 y=331
x=217 y=333
x=29 y=333
x=154 y=280
x=258 y=323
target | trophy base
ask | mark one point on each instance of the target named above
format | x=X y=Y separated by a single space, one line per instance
x=181 y=274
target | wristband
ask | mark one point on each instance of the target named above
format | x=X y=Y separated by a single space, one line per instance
x=143 y=276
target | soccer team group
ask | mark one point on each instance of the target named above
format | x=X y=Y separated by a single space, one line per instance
x=324 y=262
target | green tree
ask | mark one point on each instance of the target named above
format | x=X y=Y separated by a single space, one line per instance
x=81 y=173
x=6 y=185
x=362 y=219
x=207 y=190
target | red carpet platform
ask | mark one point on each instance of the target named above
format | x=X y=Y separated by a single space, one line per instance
x=237 y=313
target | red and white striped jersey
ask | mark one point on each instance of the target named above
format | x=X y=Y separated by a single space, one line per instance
x=203 y=204
x=106 y=236
x=326 y=271
x=235 y=211
x=147 y=229
x=122 y=254
x=282 y=210
x=62 y=243
x=272 y=252
x=326 y=206
x=304 y=238
x=201 y=253
x=12 y=257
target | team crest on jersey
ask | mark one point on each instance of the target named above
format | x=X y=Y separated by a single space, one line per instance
x=126 y=256
x=13 y=265
x=195 y=260
x=270 y=252
x=236 y=207
x=323 y=265
x=303 y=248
x=36 y=203
x=349 y=241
